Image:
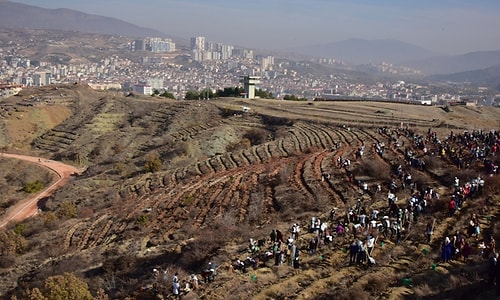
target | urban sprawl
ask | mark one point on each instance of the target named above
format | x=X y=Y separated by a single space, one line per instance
x=209 y=66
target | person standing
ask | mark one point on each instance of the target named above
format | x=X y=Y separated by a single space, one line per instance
x=176 y=290
x=492 y=269
x=370 y=243
x=428 y=232
x=353 y=252
x=273 y=236
x=194 y=281
x=446 y=250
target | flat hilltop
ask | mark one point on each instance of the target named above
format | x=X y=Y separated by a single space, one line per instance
x=175 y=185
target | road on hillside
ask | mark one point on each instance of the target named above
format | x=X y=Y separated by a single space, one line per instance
x=29 y=207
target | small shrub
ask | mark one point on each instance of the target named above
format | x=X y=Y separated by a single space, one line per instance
x=66 y=286
x=20 y=228
x=12 y=243
x=188 y=200
x=33 y=187
x=50 y=220
x=67 y=210
x=153 y=164
x=142 y=219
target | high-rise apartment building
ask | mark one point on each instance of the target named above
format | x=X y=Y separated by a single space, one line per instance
x=266 y=62
x=42 y=78
x=159 y=45
x=198 y=43
x=140 y=45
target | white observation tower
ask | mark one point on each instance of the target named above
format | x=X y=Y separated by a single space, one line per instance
x=249 y=83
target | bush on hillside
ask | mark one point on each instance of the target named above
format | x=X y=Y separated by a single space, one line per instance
x=33 y=187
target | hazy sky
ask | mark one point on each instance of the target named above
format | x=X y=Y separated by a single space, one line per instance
x=447 y=26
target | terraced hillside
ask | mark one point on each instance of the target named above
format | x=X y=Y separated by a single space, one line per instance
x=226 y=176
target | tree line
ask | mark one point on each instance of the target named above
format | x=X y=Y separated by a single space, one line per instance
x=210 y=94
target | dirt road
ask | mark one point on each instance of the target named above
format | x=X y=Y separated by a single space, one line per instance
x=29 y=206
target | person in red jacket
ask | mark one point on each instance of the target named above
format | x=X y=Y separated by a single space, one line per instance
x=452 y=206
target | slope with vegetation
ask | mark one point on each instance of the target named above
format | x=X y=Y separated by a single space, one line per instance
x=177 y=184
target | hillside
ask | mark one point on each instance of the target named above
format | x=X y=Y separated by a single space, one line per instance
x=360 y=51
x=222 y=177
x=488 y=76
x=458 y=63
x=21 y=16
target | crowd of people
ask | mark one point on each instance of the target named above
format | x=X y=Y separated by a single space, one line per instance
x=360 y=226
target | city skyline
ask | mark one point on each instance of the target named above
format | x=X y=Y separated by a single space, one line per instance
x=449 y=27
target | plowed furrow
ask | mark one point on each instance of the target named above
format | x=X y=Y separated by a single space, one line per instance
x=83 y=244
x=261 y=150
x=257 y=155
x=69 y=236
x=231 y=160
x=222 y=163
x=139 y=206
x=327 y=166
x=344 y=136
x=269 y=202
x=218 y=164
x=236 y=159
x=250 y=157
x=324 y=131
x=210 y=167
x=230 y=193
x=156 y=200
x=245 y=199
x=299 y=180
x=267 y=149
x=283 y=149
x=370 y=134
x=303 y=137
x=310 y=178
x=204 y=168
x=297 y=145
x=100 y=237
x=245 y=158
x=205 y=209
x=313 y=135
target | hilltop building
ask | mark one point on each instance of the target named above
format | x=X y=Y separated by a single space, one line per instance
x=249 y=83
x=144 y=89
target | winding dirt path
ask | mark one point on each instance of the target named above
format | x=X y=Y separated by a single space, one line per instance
x=29 y=206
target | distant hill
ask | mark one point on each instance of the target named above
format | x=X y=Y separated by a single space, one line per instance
x=488 y=76
x=457 y=63
x=21 y=16
x=360 y=51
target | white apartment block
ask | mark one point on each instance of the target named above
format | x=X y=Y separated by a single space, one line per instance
x=198 y=43
x=42 y=78
x=143 y=89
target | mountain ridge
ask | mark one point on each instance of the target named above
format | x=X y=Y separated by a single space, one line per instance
x=363 y=51
x=381 y=50
x=487 y=76
x=451 y=64
x=17 y=15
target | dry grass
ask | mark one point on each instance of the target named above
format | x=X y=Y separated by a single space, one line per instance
x=271 y=195
x=423 y=290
